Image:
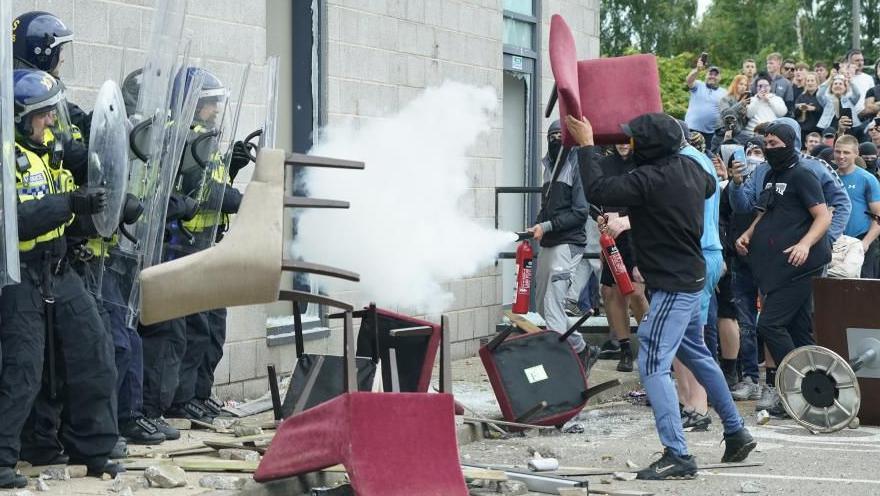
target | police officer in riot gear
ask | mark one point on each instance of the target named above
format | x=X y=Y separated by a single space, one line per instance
x=50 y=314
x=39 y=40
x=209 y=183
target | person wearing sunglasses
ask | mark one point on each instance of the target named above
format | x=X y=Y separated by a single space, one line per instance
x=779 y=85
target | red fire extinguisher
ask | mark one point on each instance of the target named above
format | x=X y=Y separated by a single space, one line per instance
x=615 y=263
x=523 y=287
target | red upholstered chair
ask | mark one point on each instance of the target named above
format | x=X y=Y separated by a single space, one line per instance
x=608 y=91
x=376 y=436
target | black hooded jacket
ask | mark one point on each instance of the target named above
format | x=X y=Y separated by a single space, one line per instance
x=665 y=195
x=564 y=209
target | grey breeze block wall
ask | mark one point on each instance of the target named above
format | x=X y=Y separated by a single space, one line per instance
x=380 y=55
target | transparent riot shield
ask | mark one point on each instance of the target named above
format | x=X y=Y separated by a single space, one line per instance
x=108 y=155
x=9 y=267
x=267 y=138
x=204 y=175
x=152 y=135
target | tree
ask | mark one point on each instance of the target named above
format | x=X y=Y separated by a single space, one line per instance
x=649 y=26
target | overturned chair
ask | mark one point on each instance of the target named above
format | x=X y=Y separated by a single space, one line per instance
x=372 y=434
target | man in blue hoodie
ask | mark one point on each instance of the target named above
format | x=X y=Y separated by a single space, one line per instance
x=691 y=393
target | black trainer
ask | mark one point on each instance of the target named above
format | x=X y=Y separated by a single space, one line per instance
x=610 y=350
x=670 y=466
x=738 y=445
x=161 y=424
x=110 y=468
x=693 y=421
x=192 y=410
x=572 y=309
x=141 y=431
x=589 y=356
x=212 y=406
x=11 y=480
x=626 y=360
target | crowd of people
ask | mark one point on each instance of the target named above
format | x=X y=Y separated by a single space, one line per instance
x=77 y=382
x=792 y=151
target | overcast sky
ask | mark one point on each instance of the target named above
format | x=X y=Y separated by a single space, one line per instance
x=702 y=5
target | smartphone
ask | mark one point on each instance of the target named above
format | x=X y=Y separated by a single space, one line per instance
x=739 y=155
x=704 y=58
x=846 y=112
x=837 y=66
x=747 y=94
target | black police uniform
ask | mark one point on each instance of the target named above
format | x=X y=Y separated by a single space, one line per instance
x=80 y=418
x=205 y=331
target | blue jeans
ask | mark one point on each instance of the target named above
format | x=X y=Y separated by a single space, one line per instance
x=673 y=329
x=711 y=329
x=745 y=295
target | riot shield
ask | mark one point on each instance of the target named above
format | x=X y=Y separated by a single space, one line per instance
x=108 y=155
x=204 y=176
x=9 y=267
x=267 y=138
x=152 y=135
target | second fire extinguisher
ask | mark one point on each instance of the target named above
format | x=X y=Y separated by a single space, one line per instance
x=615 y=263
x=524 y=262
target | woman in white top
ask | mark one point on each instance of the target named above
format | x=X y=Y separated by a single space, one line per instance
x=765 y=105
x=837 y=95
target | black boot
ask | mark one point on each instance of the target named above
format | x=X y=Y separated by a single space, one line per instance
x=737 y=446
x=141 y=431
x=192 y=410
x=11 y=480
x=120 y=451
x=107 y=467
x=171 y=433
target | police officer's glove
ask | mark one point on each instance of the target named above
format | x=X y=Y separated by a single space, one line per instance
x=132 y=209
x=190 y=208
x=240 y=158
x=88 y=200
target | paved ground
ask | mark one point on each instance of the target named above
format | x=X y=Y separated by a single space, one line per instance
x=795 y=461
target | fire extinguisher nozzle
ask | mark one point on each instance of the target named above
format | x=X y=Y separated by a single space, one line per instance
x=524 y=235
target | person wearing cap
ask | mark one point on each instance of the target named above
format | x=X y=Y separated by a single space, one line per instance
x=702 y=113
x=829 y=134
x=864 y=193
x=666 y=196
x=786 y=246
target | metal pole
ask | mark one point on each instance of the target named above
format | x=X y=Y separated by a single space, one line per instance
x=856 y=25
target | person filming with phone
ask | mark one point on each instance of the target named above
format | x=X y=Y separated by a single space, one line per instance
x=702 y=113
x=839 y=99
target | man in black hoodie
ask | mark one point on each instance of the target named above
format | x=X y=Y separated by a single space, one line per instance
x=560 y=230
x=665 y=195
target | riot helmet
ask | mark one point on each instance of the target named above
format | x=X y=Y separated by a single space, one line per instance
x=212 y=96
x=40 y=107
x=37 y=40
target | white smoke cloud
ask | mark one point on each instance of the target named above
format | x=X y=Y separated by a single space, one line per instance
x=404 y=233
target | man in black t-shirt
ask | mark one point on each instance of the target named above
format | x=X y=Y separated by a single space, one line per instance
x=617 y=306
x=786 y=245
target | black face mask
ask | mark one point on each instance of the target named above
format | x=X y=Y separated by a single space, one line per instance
x=553 y=149
x=780 y=158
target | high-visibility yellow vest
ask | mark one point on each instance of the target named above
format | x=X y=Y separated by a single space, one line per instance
x=207 y=219
x=38 y=181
